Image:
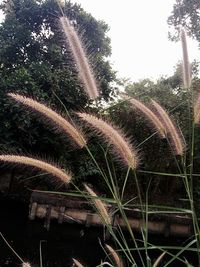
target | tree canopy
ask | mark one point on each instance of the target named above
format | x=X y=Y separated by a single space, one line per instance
x=186 y=13
x=35 y=61
x=155 y=152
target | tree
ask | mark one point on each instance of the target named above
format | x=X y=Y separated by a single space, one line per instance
x=35 y=61
x=186 y=13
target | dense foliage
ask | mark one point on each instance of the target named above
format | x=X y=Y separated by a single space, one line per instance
x=186 y=13
x=156 y=155
x=36 y=62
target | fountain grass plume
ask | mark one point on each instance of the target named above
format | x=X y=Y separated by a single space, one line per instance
x=77 y=263
x=99 y=204
x=197 y=109
x=121 y=146
x=82 y=63
x=116 y=258
x=159 y=259
x=152 y=118
x=26 y=264
x=61 y=123
x=42 y=165
x=186 y=64
x=175 y=138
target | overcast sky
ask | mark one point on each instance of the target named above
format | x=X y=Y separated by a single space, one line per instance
x=139 y=36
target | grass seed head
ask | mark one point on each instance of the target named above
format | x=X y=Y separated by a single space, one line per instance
x=116 y=258
x=121 y=146
x=197 y=109
x=42 y=165
x=26 y=264
x=60 y=122
x=77 y=263
x=175 y=137
x=100 y=206
x=151 y=117
x=81 y=61
x=186 y=64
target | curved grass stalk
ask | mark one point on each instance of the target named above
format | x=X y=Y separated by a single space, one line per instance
x=24 y=264
x=117 y=201
x=124 y=183
x=180 y=252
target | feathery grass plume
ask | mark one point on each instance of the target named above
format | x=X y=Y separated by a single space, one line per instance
x=26 y=264
x=186 y=64
x=175 y=137
x=159 y=259
x=80 y=58
x=153 y=118
x=44 y=166
x=197 y=109
x=53 y=116
x=120 y=144
x=100 y=206
x=77 y=263
x=117 y=260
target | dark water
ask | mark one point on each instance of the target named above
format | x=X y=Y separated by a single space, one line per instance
x=60 y=244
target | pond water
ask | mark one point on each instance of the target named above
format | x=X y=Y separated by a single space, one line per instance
x=59 y=245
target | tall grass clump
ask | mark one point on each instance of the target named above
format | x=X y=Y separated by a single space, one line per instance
x=121 y=153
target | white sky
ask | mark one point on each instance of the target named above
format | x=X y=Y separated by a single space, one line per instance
x=139 y=36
